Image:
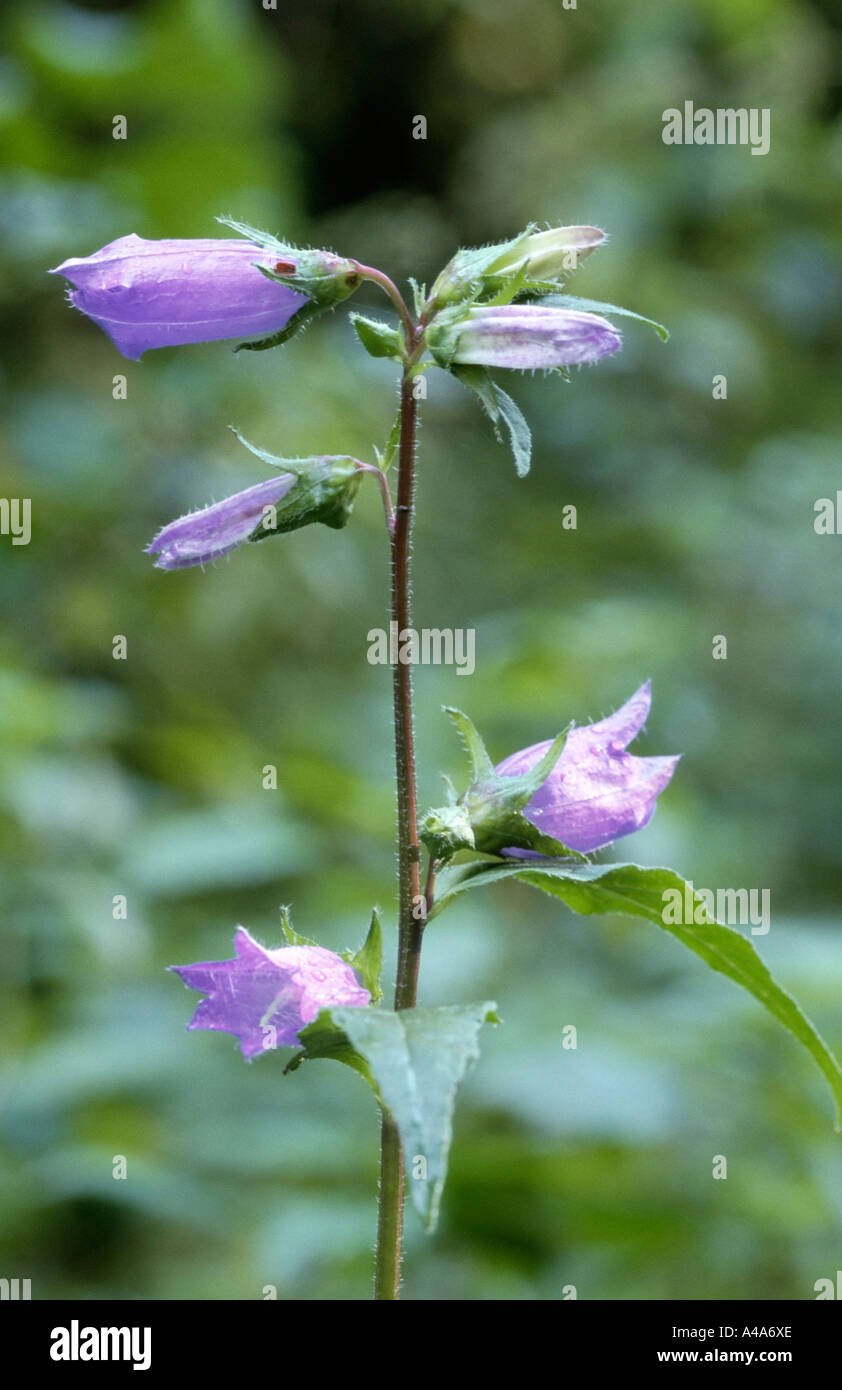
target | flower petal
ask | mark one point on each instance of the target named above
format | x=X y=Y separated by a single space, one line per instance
x=150 y=294
x=597 y=792
x=266 y=997
x=214 y=531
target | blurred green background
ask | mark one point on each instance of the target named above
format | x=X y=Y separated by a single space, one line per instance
x=143 y=777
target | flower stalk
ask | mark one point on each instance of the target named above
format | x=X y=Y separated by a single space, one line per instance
x=410 y=898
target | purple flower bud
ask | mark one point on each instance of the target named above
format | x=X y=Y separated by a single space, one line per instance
x=266 y=997
x=524 y=336
x=150 y=294
x=200 y=537
x=597 y=791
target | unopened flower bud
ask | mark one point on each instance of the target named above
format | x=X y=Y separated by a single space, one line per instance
x=529 y=261
x=320 y=489
x=545 y=257
x=153 y=294
x=522 y=336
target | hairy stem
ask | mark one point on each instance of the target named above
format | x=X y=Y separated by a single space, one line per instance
x=411 y=900
x=387 y=1268
x=389 y=287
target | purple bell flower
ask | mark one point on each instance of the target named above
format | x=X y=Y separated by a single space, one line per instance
x=151 y=294
x=266 y=997
x=207 y=535
x=526 y=336
x=597 y=791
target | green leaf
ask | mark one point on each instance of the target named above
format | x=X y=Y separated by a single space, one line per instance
x=499 y=405
x=324 y=1039
x=519 y=432
x=417 y=1058
x=595 y=306
x=481 y=764
x=641 y=892
x=378 y=339
x=413 y=1060
x=368 y=960
x=386 y=458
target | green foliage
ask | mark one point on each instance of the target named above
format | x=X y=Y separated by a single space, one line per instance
x=414 y=1061
x=599 y=889
x=378 y=339
x=498 y=405
x=143 y=777
x=595 y=306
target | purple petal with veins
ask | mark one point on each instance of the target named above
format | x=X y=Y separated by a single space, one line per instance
x=596 y=792
x=266 y=997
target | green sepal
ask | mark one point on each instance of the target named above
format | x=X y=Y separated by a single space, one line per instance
x=500 y=406
x=489 y=817
x=378 y=339
x=449 y=789
x=324 y=492
x=299 y=320
x=595 y=306
x=445 y=830
x=481 y=764
x=368 y=960
x=324 y=277
x=291 y=936
x=463 y=276
x=419 y=296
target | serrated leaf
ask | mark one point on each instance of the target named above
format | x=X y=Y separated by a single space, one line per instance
x=499 y=405
x=639 y=892
x=323 y=1039
x=519 y=432
x=595 y=306
x=417 y=1058
x=378 y=339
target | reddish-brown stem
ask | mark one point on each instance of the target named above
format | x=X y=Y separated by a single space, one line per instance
x=411 y=910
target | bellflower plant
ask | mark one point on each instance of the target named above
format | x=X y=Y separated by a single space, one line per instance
x=534 y=818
